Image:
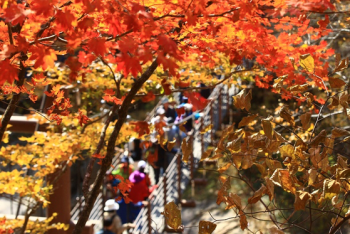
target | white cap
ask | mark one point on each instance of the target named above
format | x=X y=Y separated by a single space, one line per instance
x=141 y=164
x=111 y=204
x=161 y=111
x=188 y=106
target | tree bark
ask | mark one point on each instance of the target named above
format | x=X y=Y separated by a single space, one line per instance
x=107 y=160
x=13 y=103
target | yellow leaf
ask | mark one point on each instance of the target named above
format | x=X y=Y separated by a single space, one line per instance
x=307 y=62
x=287 y=151
x=172 y=215
x=206 y=227
x=206 y=129
x=246 y=120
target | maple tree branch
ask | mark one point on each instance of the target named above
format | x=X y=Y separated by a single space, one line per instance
x=199 y=88
x=105 y=63
x=107 y=160
x=10 y=33
x=93 y=121
x=13 y=103
x=99 y=146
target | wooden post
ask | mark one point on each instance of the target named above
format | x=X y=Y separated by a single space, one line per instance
x=179 y=192
x=60 y=200
x=229 y=107
x=149 y=220
x=212 y=122
x=165 y=188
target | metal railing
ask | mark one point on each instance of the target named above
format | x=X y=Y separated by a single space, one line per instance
x=178 y=175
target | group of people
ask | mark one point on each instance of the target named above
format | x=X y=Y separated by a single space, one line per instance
x=119 y=215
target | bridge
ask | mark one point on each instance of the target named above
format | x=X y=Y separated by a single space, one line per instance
x=178 y=175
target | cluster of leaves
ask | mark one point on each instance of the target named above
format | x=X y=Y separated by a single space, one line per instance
x=121 y=51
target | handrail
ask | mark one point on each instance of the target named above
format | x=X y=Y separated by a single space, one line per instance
x=153 y=222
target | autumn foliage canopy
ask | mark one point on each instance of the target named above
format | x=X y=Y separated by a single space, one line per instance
x=122 y=51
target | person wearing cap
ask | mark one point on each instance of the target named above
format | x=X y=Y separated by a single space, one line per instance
x=170 y=112
x=124 y=169
x=140 y=189
x=111 y=221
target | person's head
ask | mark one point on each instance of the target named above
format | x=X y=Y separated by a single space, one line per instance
x=141 y=166
x=111 y=206
x=137 y=177
x=161 y=112
x=165 y=103
x=124 y=161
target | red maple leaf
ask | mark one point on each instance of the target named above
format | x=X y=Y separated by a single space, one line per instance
x=8 y=72
x=198 y=101
x=97 y=45
x=166 y=87
x=149 y=97
x=64 y=19
x=83 y=119
x=141 y=127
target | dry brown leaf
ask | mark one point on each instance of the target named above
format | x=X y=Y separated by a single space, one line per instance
x=172 y=215
x=206 y=227
x=267 y=127
x=237 y=160
x=296 y=89
x=278 y=83
x=257 y=194
x=247 y=120
x=275 y=230
x=330 y=188
x=243 y=220
x=318 y=139
x=247 y=162
x=282 y=178
x=206 y=154
x=233 y=201
x=301 y=198
x=235 y=146
x=342 y=65
x=186 y=150
x=305 y=120
x=312 y=177
x=334 y=103
x=242 y=99
x=224 y=168
x=171 y=144
x=336 y=83
x=337 y=132
x=285 y=114
x=270 y=188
